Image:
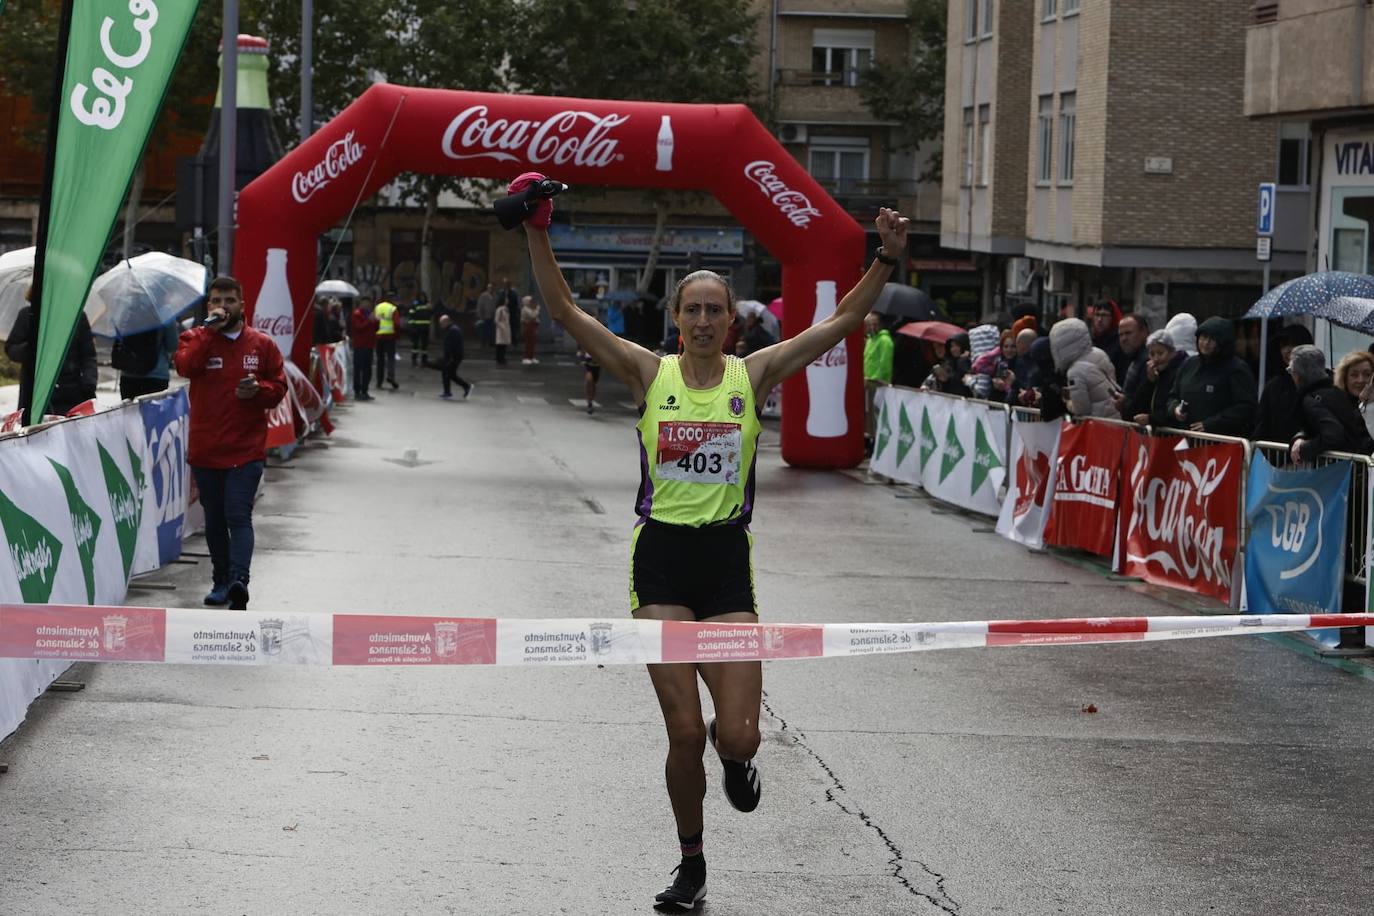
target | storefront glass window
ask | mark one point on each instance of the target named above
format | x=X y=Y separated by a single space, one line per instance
x=1352 y=229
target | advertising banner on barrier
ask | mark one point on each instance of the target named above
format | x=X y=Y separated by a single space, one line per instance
x=1035 y=447
x=1294 y=562
x=334 y=369
x=165 y=430
x=1181 y=526
x=969 y=462
x=894 y=436
x=1086 y=486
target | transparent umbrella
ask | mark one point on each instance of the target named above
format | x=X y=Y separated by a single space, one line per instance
x=143 y=293
x=749 y=307
x=16 y=273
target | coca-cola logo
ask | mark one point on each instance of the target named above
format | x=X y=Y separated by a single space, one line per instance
x=275 y=325
x=837 y=355
x=340 y=155
x=1169 y=518
x=794 y=205
x=577 y=137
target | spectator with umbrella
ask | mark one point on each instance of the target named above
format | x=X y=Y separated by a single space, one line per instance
x=1277 y=417
x=77 y=378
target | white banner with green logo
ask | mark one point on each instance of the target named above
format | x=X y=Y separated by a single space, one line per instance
x=79 y=516
x=953 y=448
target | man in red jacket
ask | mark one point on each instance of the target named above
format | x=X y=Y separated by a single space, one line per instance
x=236 y=377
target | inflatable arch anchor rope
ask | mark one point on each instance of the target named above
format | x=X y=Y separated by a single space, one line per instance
x=722 y=149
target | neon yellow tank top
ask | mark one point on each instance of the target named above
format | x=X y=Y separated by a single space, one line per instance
x=697 y=448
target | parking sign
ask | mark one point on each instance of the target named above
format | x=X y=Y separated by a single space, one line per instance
x=1266 y=208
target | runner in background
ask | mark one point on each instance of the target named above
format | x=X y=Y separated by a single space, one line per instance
x=591 y=374
x=691 y=547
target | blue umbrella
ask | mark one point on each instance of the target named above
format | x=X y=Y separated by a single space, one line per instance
x=1310 y=294
x=1327 y=294
x=1352 y=312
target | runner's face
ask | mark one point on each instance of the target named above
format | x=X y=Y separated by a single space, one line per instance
x=703 y=316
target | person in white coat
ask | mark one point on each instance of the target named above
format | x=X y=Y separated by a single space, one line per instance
x=1091 y=375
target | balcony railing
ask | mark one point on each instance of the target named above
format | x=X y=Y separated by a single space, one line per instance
x=845 y=79
x=861 y=196
x=1264 y=12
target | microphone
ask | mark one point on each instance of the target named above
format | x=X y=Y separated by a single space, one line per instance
x=213 y=320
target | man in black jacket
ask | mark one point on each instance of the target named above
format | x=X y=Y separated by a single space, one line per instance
x=453 y=357
x=1329 y=419
x=77 y=378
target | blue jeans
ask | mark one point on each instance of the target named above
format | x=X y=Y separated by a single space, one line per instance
x=227 y=496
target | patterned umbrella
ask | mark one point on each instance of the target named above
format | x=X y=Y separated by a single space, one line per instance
x=1350 y=312
x=1315 y=294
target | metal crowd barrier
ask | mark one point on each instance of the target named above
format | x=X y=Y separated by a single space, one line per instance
x=1358 y=544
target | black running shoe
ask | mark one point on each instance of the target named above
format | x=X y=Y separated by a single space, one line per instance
x=687 y=890
x=741 y=782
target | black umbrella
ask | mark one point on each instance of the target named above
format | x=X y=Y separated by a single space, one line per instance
x=898 y=300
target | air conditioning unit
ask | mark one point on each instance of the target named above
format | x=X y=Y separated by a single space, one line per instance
x=792 y=133
x=1019 y=273
x=1055 y=281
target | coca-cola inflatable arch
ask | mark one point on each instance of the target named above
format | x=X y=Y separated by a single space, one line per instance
x=722 y=149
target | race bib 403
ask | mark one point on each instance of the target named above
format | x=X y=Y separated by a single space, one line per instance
x=699 y=452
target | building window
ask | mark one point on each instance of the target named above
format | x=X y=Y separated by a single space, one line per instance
x=1070 y=7
x=838 y=56
x=1295 y=148
x=984 y=144
x=967 y=170
x=987 y=17
x=971 y=20
x=1044 y=168
x=839 y=163
x=1051 y=9
x=1068 y=116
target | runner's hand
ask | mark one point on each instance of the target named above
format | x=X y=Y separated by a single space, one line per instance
x=892 y=229
x=543 y=211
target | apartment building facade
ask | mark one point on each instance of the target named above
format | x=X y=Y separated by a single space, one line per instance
x=1139 y=169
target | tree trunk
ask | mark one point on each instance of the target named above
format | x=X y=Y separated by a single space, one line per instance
x=646 y=278
x=131 y=209
x=427 y=235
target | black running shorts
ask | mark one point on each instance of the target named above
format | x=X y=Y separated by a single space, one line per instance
x=709 y=570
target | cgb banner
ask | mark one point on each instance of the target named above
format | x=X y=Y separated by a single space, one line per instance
x=1035 y=449
x=119 y=59
x=1182 y=526
x=1086 y=483
x=1293 y=560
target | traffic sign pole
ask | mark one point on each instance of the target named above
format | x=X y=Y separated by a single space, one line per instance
x=1268 y=197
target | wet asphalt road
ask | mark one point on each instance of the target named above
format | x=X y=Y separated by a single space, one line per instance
x=1216 y=777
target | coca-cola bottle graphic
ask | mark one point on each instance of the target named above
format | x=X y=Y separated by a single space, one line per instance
x=665 y=144
x=273 y=313
x=825 y=377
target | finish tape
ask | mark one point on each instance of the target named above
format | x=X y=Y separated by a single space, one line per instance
x=217 y=637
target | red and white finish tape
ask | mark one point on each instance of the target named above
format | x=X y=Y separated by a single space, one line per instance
x=214 y=637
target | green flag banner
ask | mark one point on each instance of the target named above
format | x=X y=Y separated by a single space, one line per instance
x=119 y=60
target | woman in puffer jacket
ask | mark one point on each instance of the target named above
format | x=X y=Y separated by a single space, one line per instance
x=1092 y=377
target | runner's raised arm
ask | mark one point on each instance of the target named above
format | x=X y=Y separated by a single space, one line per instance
x=769 y=366
x=626 y=360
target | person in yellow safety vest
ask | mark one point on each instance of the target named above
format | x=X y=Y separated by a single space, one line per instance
x=417 y=321
x=388 y=323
